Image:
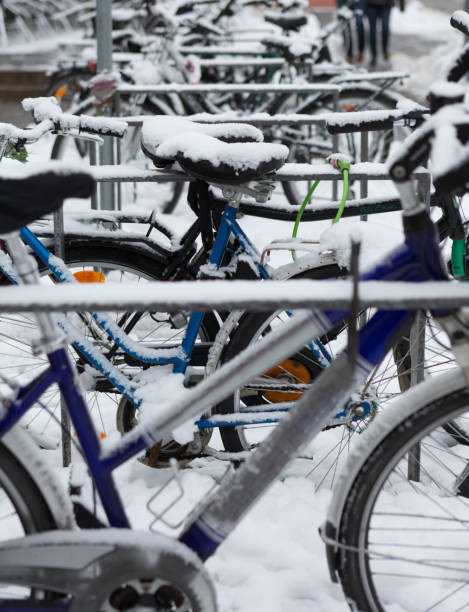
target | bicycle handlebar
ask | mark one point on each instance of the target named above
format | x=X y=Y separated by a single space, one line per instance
x=459 y=66
x=451 y=120
x=13 y=134
x=453 y=123
x=368 y=121
x=44 y=109
x=460 y=21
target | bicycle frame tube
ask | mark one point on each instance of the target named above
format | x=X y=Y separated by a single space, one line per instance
x=331 y=389
x=405 y=263
x=416 y=260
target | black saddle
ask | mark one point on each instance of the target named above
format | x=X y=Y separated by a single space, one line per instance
x=158 y=130
x=24 y=199
x=223 y=153
x=287 y=48
x=291 y=24
x=234 y=163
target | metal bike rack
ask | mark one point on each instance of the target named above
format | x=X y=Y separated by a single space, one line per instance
x=236 y=294
x=241 y=88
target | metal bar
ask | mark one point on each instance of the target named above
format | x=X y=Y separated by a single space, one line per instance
x=364 y=158
x=93 y=159
x=104 y=43
x=271 y=62
x=288 y=172
x=417 y=363
x=260 y=119
x=193 y=295
x=335 y=146
x=167 y=88
x=59 y=251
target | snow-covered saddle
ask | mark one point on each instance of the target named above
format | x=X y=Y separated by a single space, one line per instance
x=222 y=153
x=290 y=23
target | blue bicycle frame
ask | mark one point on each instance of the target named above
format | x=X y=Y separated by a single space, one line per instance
x=179 y=357
x=416 y=260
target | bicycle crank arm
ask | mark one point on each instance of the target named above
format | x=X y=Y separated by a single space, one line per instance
x=93 y=567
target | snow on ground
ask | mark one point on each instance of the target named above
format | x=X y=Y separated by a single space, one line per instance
x=431 y=26
x=274 y=561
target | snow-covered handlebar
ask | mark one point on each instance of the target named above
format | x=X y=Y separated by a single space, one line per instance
x=48 y=109
x=460 y=21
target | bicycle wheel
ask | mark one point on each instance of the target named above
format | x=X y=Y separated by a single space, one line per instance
x=312 y=144
x=23 y=511
x=108 y=263
x=165 y=195
x=300 y=369
x=403 y=543
x=66 y=85
x=379 y=393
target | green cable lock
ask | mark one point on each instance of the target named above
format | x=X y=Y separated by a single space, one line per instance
x=340 y=162
x=458 y=252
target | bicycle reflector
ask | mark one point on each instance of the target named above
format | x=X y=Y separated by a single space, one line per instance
x=60 y=92
x=289 y=372
x=89 y=276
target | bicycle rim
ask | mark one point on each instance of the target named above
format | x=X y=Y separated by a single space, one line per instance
x=328 y=452
x=23 y=511
x=405 y=541
x=17 y=360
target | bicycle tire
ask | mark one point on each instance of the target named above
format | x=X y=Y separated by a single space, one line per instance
x=26 y=497
x=179 y=584
x=233 y=438
x=17 y=329
x=23 y=511
x=70 y=81
x=383 y=387
x=369 y=534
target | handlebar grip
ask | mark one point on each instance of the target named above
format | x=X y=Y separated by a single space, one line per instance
x=102 y=126
x=369 y=121
x=460 y=21
x=339 y=126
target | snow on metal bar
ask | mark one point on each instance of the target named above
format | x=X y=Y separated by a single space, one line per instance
x=202 y=295
x=253 y=119
x=288 y=172
x=124 y=174
x=255 y=50
x=242 y=62
x=371 y=76
x=167 y=88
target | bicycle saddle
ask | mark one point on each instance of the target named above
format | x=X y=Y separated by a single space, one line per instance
x=157 y=130
x=214 y=161
x=291 y=49
x=203 y=155
x=287 y=23
x=27 y=196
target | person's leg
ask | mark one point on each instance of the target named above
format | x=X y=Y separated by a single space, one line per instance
x=385 y=18
x=347 y=35
x=372 y=14
x=360 y=29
